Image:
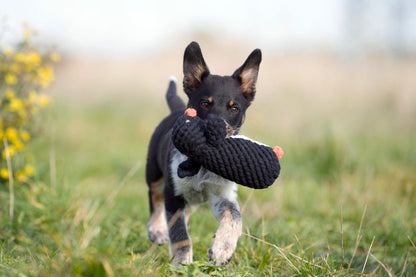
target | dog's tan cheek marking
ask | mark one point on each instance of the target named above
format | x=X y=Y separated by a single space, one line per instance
x=231 y=131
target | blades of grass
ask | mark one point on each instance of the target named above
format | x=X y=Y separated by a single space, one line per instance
x=342 y=241
x=411 y=241
x=52 y=159
x=246 y=202
x=151 y=249
x=108 y=270
x=368 y=253
x=123 y=182
x=109 y=201
x=375 y=270
x=9 y=269
x=262 y=263
x=326 y=259
x=278 y=249
x=358 y=239
x=11 y=184
x=405 y=263
x=382 y=265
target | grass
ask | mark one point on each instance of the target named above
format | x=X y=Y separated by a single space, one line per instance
x=343 y=205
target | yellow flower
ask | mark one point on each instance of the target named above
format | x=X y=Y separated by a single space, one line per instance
x=20 y=175
x=22 y=115
x=45 y=76
x=12 y=151
x=9 y=93
x=11 y=134
x=15 y=104
x=4 y=173
x=32 y=96
x=28 y=33
x=25 y=135
x=14 y=67
x=29 y=170
x=18 y=145
x=8 y=52
x=55 y=57
x=44 y=100
x=33 y=58
x=1 y=134
x=19 y=57
x=10 y=79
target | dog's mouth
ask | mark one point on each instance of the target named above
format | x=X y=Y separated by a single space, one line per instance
x=231 y=131
x=229 y=128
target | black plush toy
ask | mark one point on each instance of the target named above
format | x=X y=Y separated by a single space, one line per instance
x=237 y=158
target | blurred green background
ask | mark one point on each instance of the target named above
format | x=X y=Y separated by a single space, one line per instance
x=343 y=205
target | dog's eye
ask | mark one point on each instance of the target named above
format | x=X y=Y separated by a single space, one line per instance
x=204 y=104
x=234 y=109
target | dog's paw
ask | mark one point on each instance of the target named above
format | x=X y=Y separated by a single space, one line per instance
x=158 y=237
x=181 y=255
x=221 y=253
x=157 y=230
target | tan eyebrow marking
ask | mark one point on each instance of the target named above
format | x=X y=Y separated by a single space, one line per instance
x=231 y=103
x=210 y=99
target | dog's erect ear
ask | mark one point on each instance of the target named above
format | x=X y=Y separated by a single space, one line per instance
x=247 y=74
x=194 y=68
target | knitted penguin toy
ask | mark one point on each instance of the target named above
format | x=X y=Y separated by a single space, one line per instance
x=236 y=158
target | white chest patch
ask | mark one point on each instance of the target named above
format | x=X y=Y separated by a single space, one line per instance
x=203 y=186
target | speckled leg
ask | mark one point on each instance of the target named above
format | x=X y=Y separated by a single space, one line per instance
x=225 y=239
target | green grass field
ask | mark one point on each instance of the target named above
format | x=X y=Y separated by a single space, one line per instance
x=344 y=204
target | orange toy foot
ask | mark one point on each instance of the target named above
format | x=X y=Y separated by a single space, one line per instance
x=190 y=112
x=279 y=151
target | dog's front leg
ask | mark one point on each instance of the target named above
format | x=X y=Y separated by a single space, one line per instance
x=180 y=245
x=225 y=239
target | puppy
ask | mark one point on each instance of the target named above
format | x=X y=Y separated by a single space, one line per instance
x=171 y=198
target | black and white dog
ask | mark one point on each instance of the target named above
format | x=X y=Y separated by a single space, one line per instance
x=172 y=198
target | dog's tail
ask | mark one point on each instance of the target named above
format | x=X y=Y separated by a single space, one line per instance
x=174 y=101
